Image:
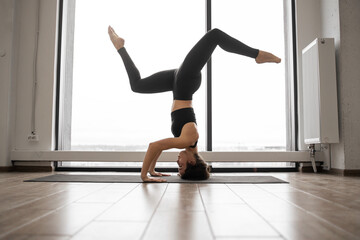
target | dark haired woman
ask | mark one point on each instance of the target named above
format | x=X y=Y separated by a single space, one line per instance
x=183 y=82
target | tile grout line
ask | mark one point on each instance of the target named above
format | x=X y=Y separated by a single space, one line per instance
x=152 y=215
x=280 y=235
x=206 y=212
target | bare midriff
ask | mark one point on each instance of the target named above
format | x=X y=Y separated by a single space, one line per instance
x=179 y=104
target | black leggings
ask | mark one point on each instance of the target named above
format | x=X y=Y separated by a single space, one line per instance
x=187 y=79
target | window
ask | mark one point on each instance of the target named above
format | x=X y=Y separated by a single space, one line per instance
x=106 y=114
x=249 y=99
x=100 y=112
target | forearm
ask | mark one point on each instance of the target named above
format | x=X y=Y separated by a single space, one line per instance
x=153 y=163
x=150 y=159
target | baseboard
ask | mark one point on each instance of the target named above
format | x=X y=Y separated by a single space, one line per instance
x=27 y=169
x=344 y=172
x=7 y=169
x=33 y=166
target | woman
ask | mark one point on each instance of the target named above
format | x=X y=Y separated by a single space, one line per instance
x=183 y=82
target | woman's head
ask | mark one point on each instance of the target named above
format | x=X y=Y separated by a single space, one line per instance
x=192 y=166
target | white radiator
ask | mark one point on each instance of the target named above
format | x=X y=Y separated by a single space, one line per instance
x=320 y=112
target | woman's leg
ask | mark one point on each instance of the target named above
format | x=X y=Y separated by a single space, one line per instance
x=158 y=82
x=201 y=52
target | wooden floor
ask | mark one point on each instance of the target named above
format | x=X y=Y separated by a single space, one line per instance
x=311 y=206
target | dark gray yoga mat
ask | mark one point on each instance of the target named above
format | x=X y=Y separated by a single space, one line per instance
x=136 y=179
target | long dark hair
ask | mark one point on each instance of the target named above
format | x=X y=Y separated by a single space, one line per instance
x=199 y=171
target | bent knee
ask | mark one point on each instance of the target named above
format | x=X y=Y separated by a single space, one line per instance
x=215 y=31
x=134 y=88
x=137 y=88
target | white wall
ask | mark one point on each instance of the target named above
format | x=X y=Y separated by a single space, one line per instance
x=349 y=81
x=331 y=28
x=6 y=84
x=25 y=13
x=17 y=41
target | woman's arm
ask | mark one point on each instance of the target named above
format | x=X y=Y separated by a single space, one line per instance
x=188 y=137
x=152 y=154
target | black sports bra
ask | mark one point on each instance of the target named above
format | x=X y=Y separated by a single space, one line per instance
x=181 y=117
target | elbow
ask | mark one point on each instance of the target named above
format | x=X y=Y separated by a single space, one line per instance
x=154 y=146
x=157 y=146
x=151 y=146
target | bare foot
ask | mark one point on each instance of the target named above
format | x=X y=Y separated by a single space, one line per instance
x=265 y=57
x=115 y=39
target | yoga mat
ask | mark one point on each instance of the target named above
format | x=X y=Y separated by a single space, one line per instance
x=137 y=179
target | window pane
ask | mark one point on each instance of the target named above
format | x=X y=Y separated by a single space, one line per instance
x=249 y=98
x=106 y=114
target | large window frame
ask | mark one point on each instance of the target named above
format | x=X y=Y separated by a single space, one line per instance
x=64 y=86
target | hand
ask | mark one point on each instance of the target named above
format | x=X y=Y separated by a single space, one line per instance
x=158 y=174
x=147 y=179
